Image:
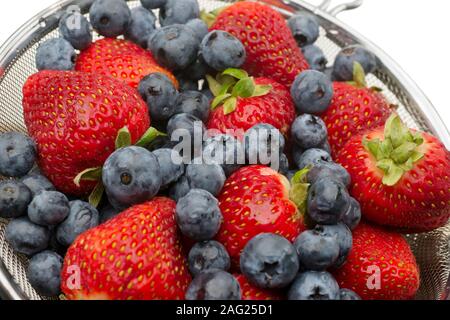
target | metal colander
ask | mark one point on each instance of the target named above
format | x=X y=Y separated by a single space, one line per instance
x=17 y=63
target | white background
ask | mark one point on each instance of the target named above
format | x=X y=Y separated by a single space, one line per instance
x=414 y=32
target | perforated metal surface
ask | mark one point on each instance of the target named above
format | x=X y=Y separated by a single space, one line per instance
x=432 y=250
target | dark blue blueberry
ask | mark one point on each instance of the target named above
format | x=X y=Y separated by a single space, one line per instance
x=311 y=157
x=224 y=150
x=141 y=26
x=314 y=285
x=214 y=284
x=345 y=60
x=324 y=169
x=108 y=213
x=55 y=54
x=221 y=50
x=178 y=12
x=44 y=273
x=328 y=200
x=262 y=142
x=171 y=166
x=17 y=154
x=269 y=261
x=312 y=92
x=160 y=94
x=110 y=17
x=343 y=238
x=179 y=189
x=131 y=176
x=49 y=208
x=193 y=102
x=348 y=295
x=175 y=46
x=187 y=84
x=305 y=28
x=209 y=177
x=26 y=237
x=14 y=199
x=198 y=215
x=315 y=57
x=352 y=217
x=153 y=4
x=208 y=255
x=82 y=217
x=208 y=94
x=161 y=142
x=283 y=164
x=199 y=27
x=317 y=250
x=54 y=245
x=37 y=183
x=309 y=131
x=186 y=131
x=76 y=29
x=196 y=71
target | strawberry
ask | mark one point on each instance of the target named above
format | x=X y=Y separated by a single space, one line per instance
x=381 y=266
x=247 y=102
x=353 y=110
x=252 y=293
x=255 y=200
x=271 y=48
x=136 y=255
x=74 y=118
x=401 y=177
x=121 y=59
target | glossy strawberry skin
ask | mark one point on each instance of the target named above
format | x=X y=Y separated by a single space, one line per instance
x=252 y=293
x=135 y=256
x=255 y=200
x=271 y=49
x=375 y=249
x=120 y=59
x=353 y=111
x=255 y=110
x=74 y=118
x=419 y=202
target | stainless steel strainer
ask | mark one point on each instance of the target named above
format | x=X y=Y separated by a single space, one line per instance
x=17 y=63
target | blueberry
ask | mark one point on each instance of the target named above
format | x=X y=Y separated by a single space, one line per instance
x=178 y=12
x=108 y=213
x=311 y=157
x=352 y=217
x=348 y=295
x=209 y=177
x=224 y=150
x=142 y=24
x=198 y=215
x=37 y=183
x=160 y=94
x=199 y=27
x=110 y=17
x=196 y=71
x=193 y=102
x=170 y=165
x=316 y=249
x=305 y=28
x=17 y=154
x=315 y=57
x=179 y=189
x=345 y=60
x=312 y=92
x=208 y=255
x=14 y=199
x=55 y=54
x=54 y=245
x=262 y=142
x=221 y=50
x=183 y=129
x=208 y=93
x=153 y=4
x=175 y=46
x=269 y=261
x=314 y=285
x=76 y=29
x=214 y=284
x=344 y=239
x=187 y=84
x=324 y=169
x=309 y=131
x=161 y=142
x=82 y=217
x=44 y=273
x=290 y=174
x=131 y=176
x=49 y=208
x=26 y=237
x=283 y=164
x=328 y=200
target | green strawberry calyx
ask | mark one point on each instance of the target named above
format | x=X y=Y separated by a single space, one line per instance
x=123 y=140
x=210 y=17
x=232 y=84
x=398 y=152
x=299 y=190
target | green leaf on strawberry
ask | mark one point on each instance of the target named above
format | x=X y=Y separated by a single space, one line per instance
x=91 y=174
x=123 y=138
x=96 y=195
x=299 y=190
x=149 y=136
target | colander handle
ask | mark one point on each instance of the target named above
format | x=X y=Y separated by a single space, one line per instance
x=325 y=6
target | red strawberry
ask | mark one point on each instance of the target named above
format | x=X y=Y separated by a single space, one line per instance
x=380 y=266
x=255 y=200
x=250 y=108
x=252 y=293
x=74 y=118
x=136 y=255
x=121 y=59
x=400 y=177
x=271 y=48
